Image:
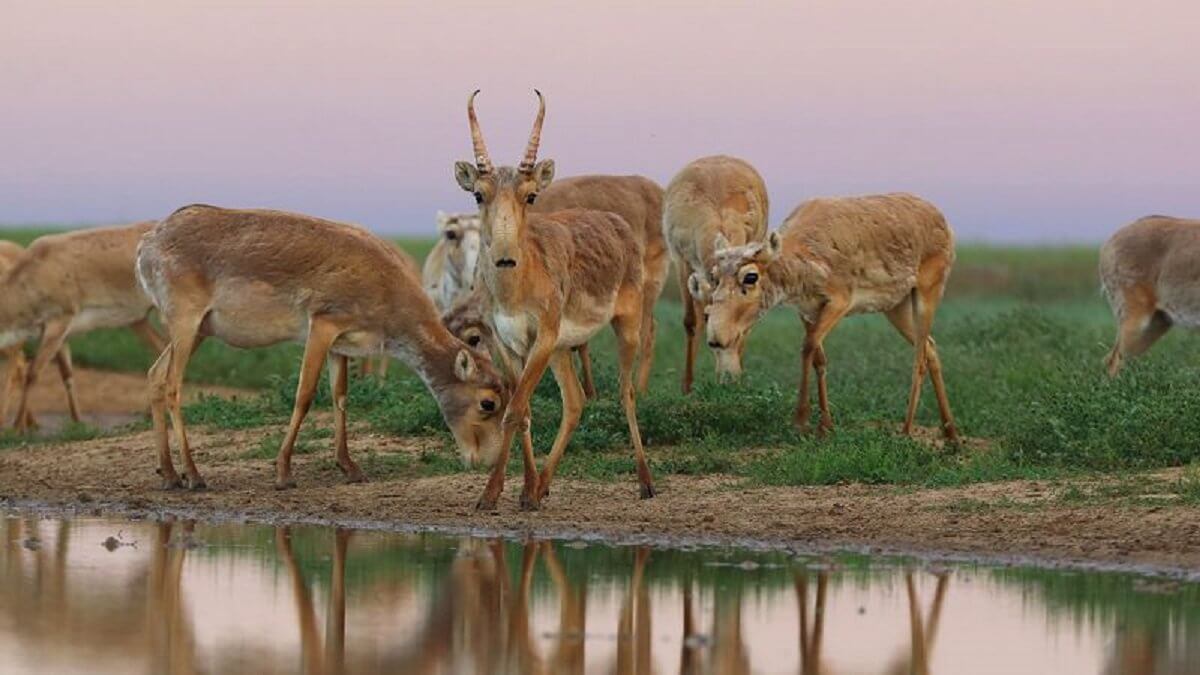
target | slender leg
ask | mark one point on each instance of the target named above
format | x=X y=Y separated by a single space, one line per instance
x=572 y=400
x=814 y=352
x=655 y=275
x=338 y=366
x=67 y=372
x=517 y=417
x=925 y=300
x=157 y=380
x=184 y=340
x=901 y=317
x=691 y=312
x=384 y=360
x=321 y=334
x=628 y=338
x=146 y=331
x=16 y=365
x=335 y=623
x=585 y=369
x=800 y=419
x=54 y=335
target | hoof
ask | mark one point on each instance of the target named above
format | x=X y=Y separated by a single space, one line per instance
x=648 y=492
x=171 y=484
x=529 y=502
x=485 y=505
x=355 y=477
x=289 y=484
x=196 y=483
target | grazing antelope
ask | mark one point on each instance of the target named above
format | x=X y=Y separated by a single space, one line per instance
x=254 y=278
x=449 y=269
x=1148 y=270
x=831 y=258
x=67 y=284
x=712 y=196
x=554 y=280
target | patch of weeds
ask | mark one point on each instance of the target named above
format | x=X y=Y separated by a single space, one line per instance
x=232 y=413
x=1188 y=485
x=306 y=444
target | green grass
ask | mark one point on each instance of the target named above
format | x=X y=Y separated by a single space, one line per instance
x=1022 y=333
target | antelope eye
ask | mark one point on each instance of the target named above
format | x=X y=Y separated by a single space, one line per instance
x=473 y=341
x=451 y=235
x=487 y=405
x=478 y=197
x=750 y=279
x=530 y=198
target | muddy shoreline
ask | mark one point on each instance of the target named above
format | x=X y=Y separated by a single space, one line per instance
x=1018 y=522
x=663 y=540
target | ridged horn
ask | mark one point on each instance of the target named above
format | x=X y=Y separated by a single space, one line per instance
x=535 y=137
x=483 y=161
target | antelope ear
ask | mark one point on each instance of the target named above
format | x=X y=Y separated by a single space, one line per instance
x=774 y=245
x=698 y=287
x=543 y=173
x=464 y=365
x=466 y=175
x=720 y=242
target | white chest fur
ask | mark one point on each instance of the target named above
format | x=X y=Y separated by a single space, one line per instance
x=514 y=330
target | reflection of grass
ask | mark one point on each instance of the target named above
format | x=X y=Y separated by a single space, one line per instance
x=1022 y=334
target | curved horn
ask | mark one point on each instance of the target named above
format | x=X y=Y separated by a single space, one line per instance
x=535 y=137
x=482 y=161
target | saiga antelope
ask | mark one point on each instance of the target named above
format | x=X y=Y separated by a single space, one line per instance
x=554 y=280
x=711 y=196
x=67 y=284
x=636 y=199
x=832 y=258
x=378 y=365
x=1150 y=272
x=449 y=270
x=254 y=278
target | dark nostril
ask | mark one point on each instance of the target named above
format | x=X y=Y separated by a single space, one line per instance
x=506 y=262
x=488 y=405
x=714 y=344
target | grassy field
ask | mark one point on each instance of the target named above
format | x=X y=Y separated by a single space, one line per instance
x=1022 y=334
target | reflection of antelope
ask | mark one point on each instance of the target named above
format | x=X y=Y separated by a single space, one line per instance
x=633 y=655
x=711 y=196
x=68 y=284
x=921 y=631
x=831 y=258
x=319 y=656
x=554 y=280
x=255 y=278
x=812 y=632
x=1148 y=271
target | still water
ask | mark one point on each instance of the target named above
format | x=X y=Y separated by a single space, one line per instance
x=91 y=595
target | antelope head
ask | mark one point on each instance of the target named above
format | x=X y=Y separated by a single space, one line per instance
x=466 y=320
x=473 y=405
x=460 y=231
x=738 y=291
x=503 y=194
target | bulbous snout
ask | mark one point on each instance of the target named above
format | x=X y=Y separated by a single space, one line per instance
x=727 y=350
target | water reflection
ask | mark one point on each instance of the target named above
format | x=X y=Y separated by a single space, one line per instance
x=93 y=595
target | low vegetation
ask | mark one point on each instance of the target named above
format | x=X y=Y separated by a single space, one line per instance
x=1022 y=334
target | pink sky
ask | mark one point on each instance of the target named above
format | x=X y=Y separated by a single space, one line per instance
x=1048 y=120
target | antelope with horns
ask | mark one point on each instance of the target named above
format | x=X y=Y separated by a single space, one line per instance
x=67 y=284
x=254 y=278
x=449 y=269
x=554 y=280
x=831 y=258
x=712 y=196
x=636 y=199
x=1150 y=272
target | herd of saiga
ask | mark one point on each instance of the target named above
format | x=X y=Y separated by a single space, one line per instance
x=521 y=286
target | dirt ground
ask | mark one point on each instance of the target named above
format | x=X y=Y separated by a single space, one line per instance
x=1013 y=520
